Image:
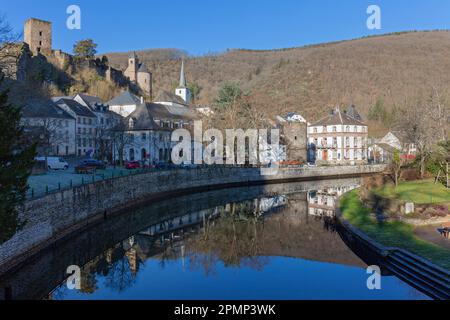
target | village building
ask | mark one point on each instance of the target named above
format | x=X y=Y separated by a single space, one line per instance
x=85 y=126
x=143 y=139
x=382 y=150
x=55 y=127
x=339 y=138
x=148 y=132
x=125 y=103
x=94 y=124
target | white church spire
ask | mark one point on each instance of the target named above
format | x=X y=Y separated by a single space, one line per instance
x=182 y=76
x=183 y=91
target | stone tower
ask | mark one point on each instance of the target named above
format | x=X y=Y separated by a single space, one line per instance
x=183 y=91
x=138 y=73
x=144 y=80
x=131 y=71
x=38 y=36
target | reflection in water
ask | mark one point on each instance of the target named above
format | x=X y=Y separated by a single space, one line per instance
x=273 y=242
x=445 y=232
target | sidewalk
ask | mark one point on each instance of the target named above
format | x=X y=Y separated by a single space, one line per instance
x=59 y=179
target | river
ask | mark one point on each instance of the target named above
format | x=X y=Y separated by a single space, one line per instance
x=267 y=242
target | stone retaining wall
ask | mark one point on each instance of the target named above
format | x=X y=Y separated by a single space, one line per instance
x=56 y=215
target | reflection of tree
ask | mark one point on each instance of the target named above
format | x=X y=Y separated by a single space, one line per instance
x=234 y=239
x=119 y=277
x=88 y=282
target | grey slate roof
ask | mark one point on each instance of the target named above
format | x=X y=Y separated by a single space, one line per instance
x=164 y=96
x=353 y=113
x=79 y=109
x=337 y=118
x=143 y=120
x=143 y=68
x=160 y=111
x=182 y=76
x=91 y=100
x=43 y=109
x=126 y=98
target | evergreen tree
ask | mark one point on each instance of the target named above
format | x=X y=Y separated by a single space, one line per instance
x=228 y=95
x=85 y=49
x=16 y=161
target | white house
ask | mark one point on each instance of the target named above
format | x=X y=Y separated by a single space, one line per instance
x=144 y=140
x=382 y=150
x=339 y=138
x=85 y=126
x=55 y=126
x=125 y=103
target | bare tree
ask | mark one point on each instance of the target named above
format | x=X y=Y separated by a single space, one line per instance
x=8 y=39
x=417 y=122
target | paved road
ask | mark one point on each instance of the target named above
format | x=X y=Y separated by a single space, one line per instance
x=55 y=179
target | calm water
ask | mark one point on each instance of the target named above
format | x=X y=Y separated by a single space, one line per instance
x=273 y=242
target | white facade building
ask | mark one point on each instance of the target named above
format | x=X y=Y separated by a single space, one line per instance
x=55 y=127
x=125 y=103
x=338 y=139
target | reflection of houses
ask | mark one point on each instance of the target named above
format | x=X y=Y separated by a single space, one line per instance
x=339 y=138
x=323 y=202
x=381 y=151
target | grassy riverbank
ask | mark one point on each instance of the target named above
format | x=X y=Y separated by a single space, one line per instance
x=419 y=192
x=391 y=233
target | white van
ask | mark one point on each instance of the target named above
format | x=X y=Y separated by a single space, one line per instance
x=54 y=163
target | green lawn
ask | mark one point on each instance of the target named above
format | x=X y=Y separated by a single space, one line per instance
x=419 y=192
x=391 y=233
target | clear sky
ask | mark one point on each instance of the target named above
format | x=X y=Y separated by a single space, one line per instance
x=203 y=26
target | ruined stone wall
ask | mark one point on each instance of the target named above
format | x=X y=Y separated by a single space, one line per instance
x=58 y=214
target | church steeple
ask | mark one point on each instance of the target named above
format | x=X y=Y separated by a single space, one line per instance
x=183 y=91
x=182 y=76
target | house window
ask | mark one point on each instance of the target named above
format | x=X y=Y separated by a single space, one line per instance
x=334 y=129
x=131 y=123
x=144 y=136
x=347 y=128
x=315 y=130
x=40 y=33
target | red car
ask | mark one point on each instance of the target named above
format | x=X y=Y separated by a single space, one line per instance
x=133 y=165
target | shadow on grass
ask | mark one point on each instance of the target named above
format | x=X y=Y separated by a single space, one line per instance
x=391 y=233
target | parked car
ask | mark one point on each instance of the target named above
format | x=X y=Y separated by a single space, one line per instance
x=132 y=165
x=54 y=163
x=94 y=163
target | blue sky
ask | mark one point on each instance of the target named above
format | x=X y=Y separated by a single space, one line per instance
x=203 y=26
